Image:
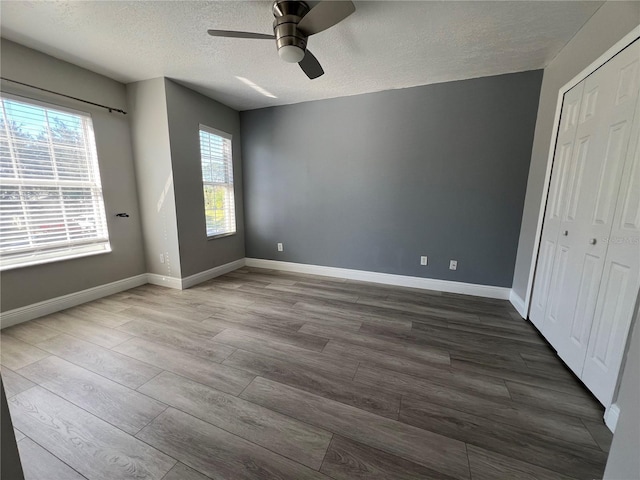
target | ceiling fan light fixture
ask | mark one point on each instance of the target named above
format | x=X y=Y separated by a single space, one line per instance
x=291 y=53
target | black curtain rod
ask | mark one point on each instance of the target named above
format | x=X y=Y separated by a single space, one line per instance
x=111 y=109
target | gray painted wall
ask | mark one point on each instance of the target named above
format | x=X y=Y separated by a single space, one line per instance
x=623 y=462
x=24 y=286
x=150 y=130
x=371 y=182
x=608 y=25
x=186 y=110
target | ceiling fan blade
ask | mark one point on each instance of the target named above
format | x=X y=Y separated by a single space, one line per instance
x=311 y=66
x=324 y=15
x=234 y=34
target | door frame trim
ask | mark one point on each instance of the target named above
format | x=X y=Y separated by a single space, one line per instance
x=623 y=43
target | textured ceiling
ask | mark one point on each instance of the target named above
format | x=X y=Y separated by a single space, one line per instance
x=383 y=45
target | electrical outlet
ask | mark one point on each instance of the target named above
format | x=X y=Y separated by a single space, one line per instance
x=423 y=260
x=162 y=258
x=280 y=247
x=453 y=264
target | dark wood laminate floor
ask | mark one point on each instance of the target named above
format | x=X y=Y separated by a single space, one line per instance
x=261 y=374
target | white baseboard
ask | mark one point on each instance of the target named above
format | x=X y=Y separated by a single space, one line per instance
x=518 y=304
x=192 y=280
x=46 y=307
x=29 y=312
x=164 y=281
x=611 y=415
x=487 y=291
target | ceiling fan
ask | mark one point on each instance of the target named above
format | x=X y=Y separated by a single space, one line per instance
x=294 y=23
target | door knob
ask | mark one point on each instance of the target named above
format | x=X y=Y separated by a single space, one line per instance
x=565 y=233
x=592 y=241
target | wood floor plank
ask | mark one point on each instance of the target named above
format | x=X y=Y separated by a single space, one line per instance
x=576 y=403
x=114 y=366
x=600 y=433
x=15 y=354
x=285 y=322
x=349 y=460
x=498 y=410
x=182 y=472
x=14 y=383
x=487 y=465
x=373 y=375
x=389 y=361
x=329 y=386
x=434 y=451
x=490 y=358
x=453 y=340
x=111 y=303
x=39 y=464
x=392 y=305
x=297 y=339
x=424 y=354
x=537 y=379
x=83 y=329
x=91 y=446
x=290 y=438
x=198 y=345
x=182 y=321
x=498 y=329
x=110 y=401
x=557 y=455
x=269 y=347
x=168 y=305
x=333 y=295
x=217 y=453
x=97 y=315
x=216 y=375
x=31 y=332
x=18 y=434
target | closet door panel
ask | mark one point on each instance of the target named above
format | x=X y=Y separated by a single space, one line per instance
x=621 y=279
x=556 y=205
x=568 y=286
x=601 y=148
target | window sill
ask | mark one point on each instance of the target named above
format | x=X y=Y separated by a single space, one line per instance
x=43 y=261
x=222 y=235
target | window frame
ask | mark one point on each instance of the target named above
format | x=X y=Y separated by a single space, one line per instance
x=227 y=136
x=78 y=249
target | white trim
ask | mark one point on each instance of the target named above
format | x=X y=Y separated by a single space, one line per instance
x=164 y=281
x=601 y=60
x=192 y=280
x=487 y=291
x=518 y=304
x=46 y=307
x=611 y=415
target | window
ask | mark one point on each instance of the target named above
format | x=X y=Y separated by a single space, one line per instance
x=217 y=182
x=51 y=205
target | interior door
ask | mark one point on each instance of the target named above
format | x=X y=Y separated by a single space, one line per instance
x=600 y=150
x=556 y=203
x=621 y=278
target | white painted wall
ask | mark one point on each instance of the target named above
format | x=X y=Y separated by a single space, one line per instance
x=624 y=461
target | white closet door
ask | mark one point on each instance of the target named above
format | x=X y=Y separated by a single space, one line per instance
x=602 y=140
x=621 y=278
x=556 y=204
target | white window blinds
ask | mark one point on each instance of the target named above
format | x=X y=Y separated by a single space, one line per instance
x=51 y=204
x=217 y=182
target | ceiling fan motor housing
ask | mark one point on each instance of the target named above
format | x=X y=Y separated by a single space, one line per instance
x=291 y=42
